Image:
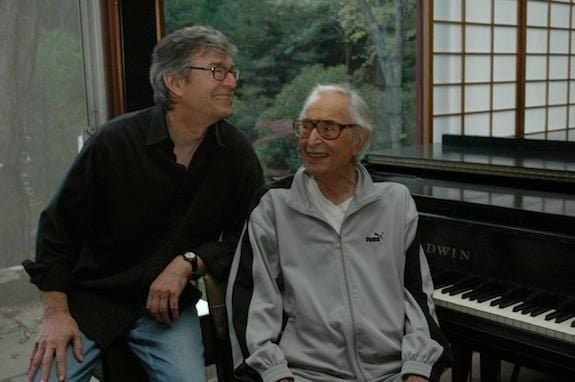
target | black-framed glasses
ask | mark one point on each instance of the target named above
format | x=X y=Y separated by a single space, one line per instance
x=219 y=72
x=326 y=128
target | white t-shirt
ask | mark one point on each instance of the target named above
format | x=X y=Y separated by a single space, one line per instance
x=334 y=213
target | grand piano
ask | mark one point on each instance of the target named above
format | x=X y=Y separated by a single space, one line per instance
x=497 y=223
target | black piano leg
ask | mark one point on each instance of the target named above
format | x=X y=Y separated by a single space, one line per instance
x=461 y=363
x=490 y=368
x=515 y=374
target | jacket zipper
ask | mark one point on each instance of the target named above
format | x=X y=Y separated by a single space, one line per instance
x=352 y=315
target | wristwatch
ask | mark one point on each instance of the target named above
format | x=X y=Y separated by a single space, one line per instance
x=192 y=258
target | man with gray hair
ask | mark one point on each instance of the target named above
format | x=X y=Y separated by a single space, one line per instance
x=329 y=282
x=155 y=199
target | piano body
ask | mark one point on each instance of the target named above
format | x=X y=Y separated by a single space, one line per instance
x=497 y=223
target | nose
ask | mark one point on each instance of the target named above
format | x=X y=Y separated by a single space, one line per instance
x=230 y=81
x=314 y=137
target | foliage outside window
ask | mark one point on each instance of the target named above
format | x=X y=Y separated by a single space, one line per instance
x=288 y=46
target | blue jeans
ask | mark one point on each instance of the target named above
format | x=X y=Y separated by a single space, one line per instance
x=172 y=354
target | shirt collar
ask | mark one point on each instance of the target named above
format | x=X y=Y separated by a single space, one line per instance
x=159 y=129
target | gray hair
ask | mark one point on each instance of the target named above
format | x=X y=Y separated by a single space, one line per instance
x=172 y=54
x=357 y=109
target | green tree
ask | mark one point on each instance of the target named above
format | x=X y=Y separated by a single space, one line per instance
x=390 y=26
x=280 y=41
x=276 y=146
x=276 y=39
x=182 y=13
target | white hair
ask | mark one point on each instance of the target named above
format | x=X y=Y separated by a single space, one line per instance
x=357 y=109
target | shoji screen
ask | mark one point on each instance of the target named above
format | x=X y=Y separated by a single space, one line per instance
x=503 y=68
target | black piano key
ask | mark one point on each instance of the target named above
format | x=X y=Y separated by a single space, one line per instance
x=469 y=294
x=458 y=289
x=530 y=303
x=564 y=317
x=507 y=302
x=529 y=309
x=561 y=310
x=492 y=290
x=442 y=284
x=538 y=303
x=497 y=301
x=486 y=297
x=544 y=302
x=441 y=279
x=461 y=286
x=511 y=297
x=481 y=290
x=504 y=299
x=538 y=311
x=475 y=291
x=519 y=307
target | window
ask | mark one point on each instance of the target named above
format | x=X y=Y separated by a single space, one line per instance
x=51 y=76
x=286 y=47
x=502 y=68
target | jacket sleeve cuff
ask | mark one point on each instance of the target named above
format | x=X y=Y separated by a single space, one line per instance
x=47 y=279
x=276 y=373
x=417 y=368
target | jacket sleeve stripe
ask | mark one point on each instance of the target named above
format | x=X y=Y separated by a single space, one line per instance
x=414 y=284
x=242 y=293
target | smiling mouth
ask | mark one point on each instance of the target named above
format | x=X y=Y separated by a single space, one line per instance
x=316 y=155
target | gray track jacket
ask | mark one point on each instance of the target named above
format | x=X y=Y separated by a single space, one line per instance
x=306 y=302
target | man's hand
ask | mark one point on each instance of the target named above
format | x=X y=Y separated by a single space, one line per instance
x=415 y=378
x=165 y=291
x=58 y=332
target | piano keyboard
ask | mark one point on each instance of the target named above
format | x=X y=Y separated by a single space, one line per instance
x=534 y=311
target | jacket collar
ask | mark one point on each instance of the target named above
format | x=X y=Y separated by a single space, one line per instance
x=299 y=199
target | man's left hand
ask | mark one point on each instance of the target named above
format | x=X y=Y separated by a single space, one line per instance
x=415 y=378
x=165 y=291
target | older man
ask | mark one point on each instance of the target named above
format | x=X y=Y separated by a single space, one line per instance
x=156 y=198
x=329 y=282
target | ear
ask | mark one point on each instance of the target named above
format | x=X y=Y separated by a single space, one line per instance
x=359 y=140
x=175 y=84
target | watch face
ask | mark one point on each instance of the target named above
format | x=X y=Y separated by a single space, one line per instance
x=192 y=259
x=189 y=256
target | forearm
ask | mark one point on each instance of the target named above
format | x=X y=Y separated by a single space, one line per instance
x=415 y=378
x=54 y=302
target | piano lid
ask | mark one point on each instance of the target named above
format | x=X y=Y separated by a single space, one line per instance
x=530 y=164
x=484 y=178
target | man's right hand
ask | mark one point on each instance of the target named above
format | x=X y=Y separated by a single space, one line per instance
x=59 y=330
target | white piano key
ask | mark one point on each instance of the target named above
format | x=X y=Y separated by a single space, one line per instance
x=536 y=324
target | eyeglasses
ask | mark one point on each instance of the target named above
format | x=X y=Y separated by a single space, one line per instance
x=326 y=129
x=219 y=72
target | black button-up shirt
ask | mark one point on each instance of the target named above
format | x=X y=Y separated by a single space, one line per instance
x=126 y=209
